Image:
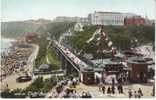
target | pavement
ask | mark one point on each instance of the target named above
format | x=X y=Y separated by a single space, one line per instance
x=94 y=90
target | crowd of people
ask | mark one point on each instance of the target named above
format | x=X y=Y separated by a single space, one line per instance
x=16 y=59
x=67 y=89
x=136 y=94
x=115 y=88
x=110 y=89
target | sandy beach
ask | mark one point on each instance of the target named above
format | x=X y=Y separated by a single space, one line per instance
x=13 y=68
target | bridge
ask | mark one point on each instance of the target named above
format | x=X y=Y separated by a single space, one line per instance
x=70 y=63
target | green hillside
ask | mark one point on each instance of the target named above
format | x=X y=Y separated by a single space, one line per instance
x=56 y=29
x=120 y=35
x=19 y=28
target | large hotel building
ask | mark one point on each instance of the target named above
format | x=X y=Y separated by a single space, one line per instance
x=108 y=18
x=105 y=18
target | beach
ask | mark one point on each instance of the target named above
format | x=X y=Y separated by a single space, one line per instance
x=5 y=43
x=19 y=62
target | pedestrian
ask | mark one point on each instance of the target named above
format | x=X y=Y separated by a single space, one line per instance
x=109 y=90
x=119 y=89
x=103 y=89
x=74 y=82
x=113 y=89
x=130 y=93
x=135 y=94
x=113 y=81
x=140 y=92
x=139 y=95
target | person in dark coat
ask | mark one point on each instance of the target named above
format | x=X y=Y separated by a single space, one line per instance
x=113 y=81
x=121 y=88
x=103 y=89
x=108 y=90
x=139 y=95
x=118 y=87
x=140 y=92
x=113 y=89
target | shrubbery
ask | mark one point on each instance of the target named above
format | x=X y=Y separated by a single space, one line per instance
x=120 y=35
x=41 y=85
x=54 y=61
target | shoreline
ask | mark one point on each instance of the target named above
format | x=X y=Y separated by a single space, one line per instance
x=10 y=80
x=7 y=39
x=13 y=58
x=6 y=43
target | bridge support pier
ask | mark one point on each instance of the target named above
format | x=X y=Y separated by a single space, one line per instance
x=70 y=70
x=63 y=62
x=67 y=67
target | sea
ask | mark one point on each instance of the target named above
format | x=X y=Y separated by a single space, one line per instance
x=5 y=43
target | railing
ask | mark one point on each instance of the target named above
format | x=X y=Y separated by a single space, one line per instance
x=49 y=72
x=88 y=62
x=74 y=60
x=69 y=59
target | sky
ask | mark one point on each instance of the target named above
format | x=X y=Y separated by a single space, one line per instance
x=17 y=10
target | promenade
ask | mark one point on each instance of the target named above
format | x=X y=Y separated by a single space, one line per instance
x=20 y=62
x=94 y=90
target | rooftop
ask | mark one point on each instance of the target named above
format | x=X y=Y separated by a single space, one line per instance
x=139 y=60
x=104 y=62
x=44 y=66
x=107 y=12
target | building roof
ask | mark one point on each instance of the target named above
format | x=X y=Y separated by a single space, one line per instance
x=139 y=60
x=88 y=69
x=105 y=62
x=44 y=66
x=107 y=12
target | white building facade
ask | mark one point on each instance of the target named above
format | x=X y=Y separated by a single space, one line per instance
x=108 y=18
x=98 y=18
